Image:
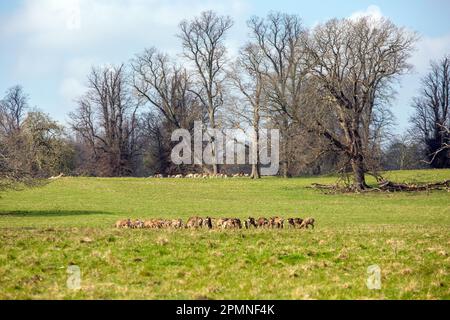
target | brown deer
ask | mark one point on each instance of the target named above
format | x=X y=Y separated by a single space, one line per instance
x=232 y=224
x=276 y=222
x=138 y=224
x=250 y=222
x=295 y=222
x=207 y=223
x=262 y=223
x=176 y=224
x=194 y=223
x=220 y=222
x=307 y=222
x=124 y=224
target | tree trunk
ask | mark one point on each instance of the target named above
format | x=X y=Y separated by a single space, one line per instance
x=285 y=151
x=212 y=123
x=354 y=142
x=215 y=169
x=215 y=166
x=359 y=179
x=285 y=170
x=286 y=162
x=256 y=172
x=256 y=167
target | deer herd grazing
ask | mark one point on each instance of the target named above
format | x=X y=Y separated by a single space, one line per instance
x=222 y=223
x=201 y=176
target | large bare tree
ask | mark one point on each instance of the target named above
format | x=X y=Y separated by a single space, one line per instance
x=32 y=145
x=107 y=121
x=432 y=114
x=13 y=108
x=355 y=63
x=203 y=44
x=280 y=38
x=166 y=87
x=246 y=76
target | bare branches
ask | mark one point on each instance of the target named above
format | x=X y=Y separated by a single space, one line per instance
x=247 y=76
x=444 y=146
x=385 y=186
x=355 y=63
x=203 y=44
x=12 y=113
x=32 y=145
x=166 y=86
x=106 y=120
x=431 y=120
x=354 y=60
x=12 y=109
x=327 y=90
x=280 y=39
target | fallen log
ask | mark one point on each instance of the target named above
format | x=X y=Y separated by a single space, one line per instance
x=324 y=186
x=385 y=186
x=332 y=188
x=390 y=186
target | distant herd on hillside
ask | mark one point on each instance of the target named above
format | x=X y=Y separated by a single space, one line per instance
x=201 y=176
x=222 y=223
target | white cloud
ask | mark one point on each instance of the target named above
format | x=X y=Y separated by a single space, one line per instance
x=73 y=15
x=430 y=49
x=60 y=40
x=108 y=30
x=70 y=89
x=372 y=11
x=61 y=24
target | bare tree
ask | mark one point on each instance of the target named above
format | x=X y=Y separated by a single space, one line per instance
x=12 y=112
x=377 y=134
x=32 y=145
x=13 y=109
x=403 y=153
x=166 y=87
x=45 y=151
x=355 y=63
x=107 y=121
x=431 y=120
x=156 y=143
x=280 y=38
x=203 y=44
x=247 y=76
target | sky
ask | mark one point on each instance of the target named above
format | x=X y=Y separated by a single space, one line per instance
x=49 y=46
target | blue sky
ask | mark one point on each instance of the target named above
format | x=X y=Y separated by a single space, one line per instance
x=48 y=46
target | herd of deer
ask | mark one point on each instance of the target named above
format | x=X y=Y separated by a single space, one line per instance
x=222 y=223
x=202 y=176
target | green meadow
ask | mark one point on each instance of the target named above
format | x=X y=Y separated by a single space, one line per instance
x=69 y=221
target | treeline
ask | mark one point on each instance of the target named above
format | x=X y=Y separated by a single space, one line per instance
x=328 y=90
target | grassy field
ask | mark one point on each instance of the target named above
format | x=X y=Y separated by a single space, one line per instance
x=70 y=221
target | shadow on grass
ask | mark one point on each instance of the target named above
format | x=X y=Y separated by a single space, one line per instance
x=51 y=213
